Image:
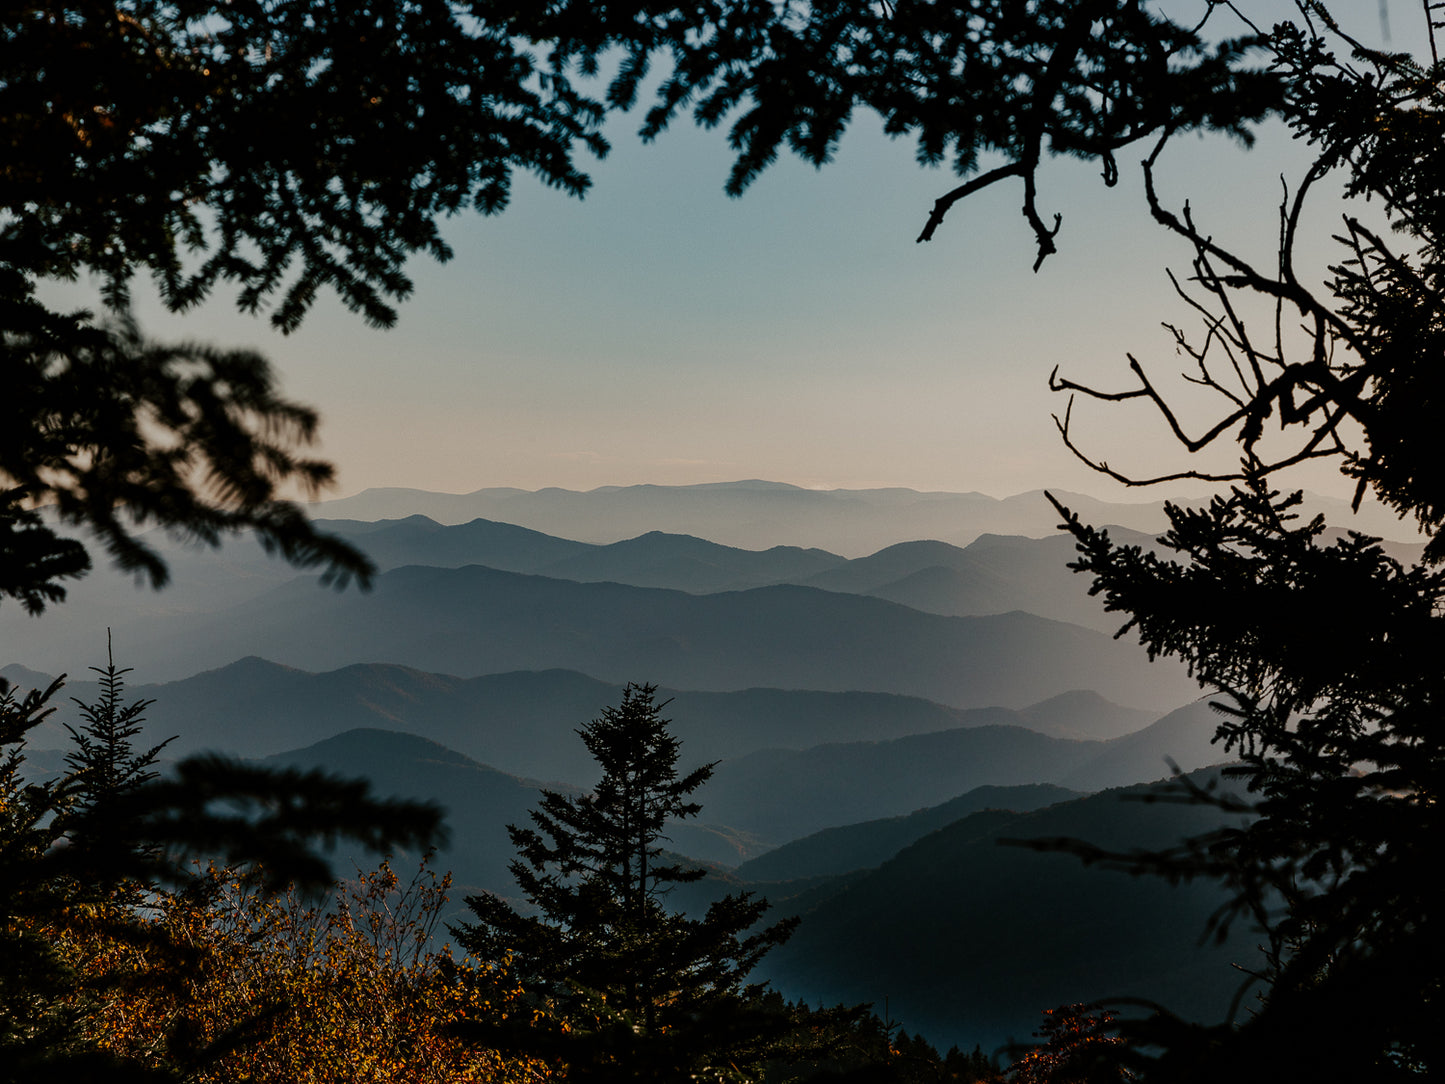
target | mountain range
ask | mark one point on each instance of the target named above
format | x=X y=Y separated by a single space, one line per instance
x=889 y=681
x=475 y=620
x=780 y=795
x=993 y=575
x=757 y=514
x=843 y=849
x=791 y=762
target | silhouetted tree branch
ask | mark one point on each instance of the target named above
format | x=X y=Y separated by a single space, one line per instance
x=107 y=431
x=1343 y=357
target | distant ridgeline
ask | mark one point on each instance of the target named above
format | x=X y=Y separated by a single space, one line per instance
x=758 y=514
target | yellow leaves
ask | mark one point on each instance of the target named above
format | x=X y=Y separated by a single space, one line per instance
x=348 y=990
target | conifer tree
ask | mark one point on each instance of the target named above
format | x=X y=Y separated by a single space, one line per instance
x=625 y=989
x=104 y=760
x=105 y=766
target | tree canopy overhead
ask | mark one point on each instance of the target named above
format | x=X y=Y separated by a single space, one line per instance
x=1349 y=368
x=281 y=147
x=286 y=147
x=275 y=148
x=110 y=432
x=990 y=87
x=1322 y=651
x=278 y=150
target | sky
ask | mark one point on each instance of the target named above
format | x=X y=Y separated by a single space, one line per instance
x=659 y=332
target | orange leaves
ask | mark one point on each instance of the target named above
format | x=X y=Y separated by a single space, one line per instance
x=1081 y=1046
x=274 y=988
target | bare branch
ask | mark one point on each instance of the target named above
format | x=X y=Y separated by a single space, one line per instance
x=1103 y=468
x=1057 y=383
x=1251 y=468
x=1245 y=276
x=1317 y=169
x=944 y=203
x=1146 y=390
x=1042 y=234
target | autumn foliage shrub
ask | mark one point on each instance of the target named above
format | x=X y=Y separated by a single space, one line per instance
x=264 y=987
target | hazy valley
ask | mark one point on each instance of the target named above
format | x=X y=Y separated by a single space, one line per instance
x=879 y=721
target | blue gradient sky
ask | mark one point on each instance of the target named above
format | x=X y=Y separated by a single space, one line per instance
x=660 y=332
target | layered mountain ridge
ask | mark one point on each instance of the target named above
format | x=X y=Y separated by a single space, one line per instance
x=879 y=719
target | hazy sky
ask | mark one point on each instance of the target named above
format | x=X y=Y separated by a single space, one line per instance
x=658 y=331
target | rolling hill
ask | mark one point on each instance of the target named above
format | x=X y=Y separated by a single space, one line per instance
x=866 y=845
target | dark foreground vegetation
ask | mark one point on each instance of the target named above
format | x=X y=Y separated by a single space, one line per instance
x=162 y=138
x=120 y=965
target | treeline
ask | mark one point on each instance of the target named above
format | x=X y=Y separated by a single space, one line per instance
x=233 y=982
x=128 y=958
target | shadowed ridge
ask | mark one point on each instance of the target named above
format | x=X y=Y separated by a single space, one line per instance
x=1085 y=714
x=871 y=843
x=980 y=935
x=367 y=742
x=1184 y=736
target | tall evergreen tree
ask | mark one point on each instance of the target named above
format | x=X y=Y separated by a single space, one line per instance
x=626 y=989
x=105 y=766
